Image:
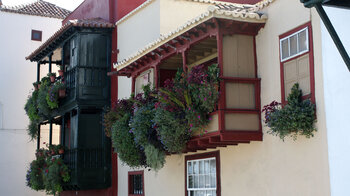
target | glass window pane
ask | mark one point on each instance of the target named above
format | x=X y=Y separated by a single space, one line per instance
x=195 y=179
x=212 y=166
x=201 y=167
x=293 y=45
x=213 y=181
x=195 y=167
x=207 y=181
x=201 y=181
x=190 y=181
x=189 y=168
x=206 y=166
x=302 y=41
x=285 y=49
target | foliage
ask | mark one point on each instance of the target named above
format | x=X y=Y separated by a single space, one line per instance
x=171 y=126
x=121 y=107
x=296 y=117
x=42 y=104
x=54 y=175
x=155 y=157
x=51 y=74
x=33 y=129
x=123 y=142
x=31 y=107
x=52 y=97
x=34 y=175
x=147 y=125
x=48 y=172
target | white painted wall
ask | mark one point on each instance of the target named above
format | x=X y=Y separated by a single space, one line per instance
x=138 y=30
x=337 y=94
x=16 y=78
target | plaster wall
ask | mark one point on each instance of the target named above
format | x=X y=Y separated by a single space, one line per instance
x=175 y=13
x=138 y=30
x=337 y=92
x=272 y=167
x=16 y=78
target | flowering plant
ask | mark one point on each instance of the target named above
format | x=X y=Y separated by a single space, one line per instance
x=47 y=172
x=296 y=117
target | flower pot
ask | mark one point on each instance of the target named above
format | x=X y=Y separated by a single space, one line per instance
x=60 y=151
x=61 y=93
x=60 y=72
x=52 y=79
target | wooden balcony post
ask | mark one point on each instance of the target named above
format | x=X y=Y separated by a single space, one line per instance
x=38 y=139
x=50 y=136
x=50 y=63
x=38 y=72
x=184 y=61
x=62 y=131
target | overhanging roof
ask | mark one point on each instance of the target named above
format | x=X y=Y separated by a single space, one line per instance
x=64 y=32
x=230 y=12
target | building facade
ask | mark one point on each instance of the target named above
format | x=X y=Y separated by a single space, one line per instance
x=24 y=28
x=262 y=49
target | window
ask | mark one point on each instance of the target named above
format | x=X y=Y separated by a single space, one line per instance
x=296 y=59
x=36 y=35
x=143 y=79
x=136 y=185
x=203 y=174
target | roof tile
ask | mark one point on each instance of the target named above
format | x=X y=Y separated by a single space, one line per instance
x=38 y=8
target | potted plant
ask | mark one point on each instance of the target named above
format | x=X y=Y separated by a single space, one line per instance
x=61 y=88
x=297 y=117
x=52 y=77
x=36 y=85
x=61 y=71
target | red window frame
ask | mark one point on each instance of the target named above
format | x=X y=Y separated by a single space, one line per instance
x=310 y=96
x=206 y=155
x=40 y=35
x=130 y=184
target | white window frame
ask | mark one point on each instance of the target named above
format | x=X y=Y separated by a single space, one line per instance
x=187 y=176
x=298 y=52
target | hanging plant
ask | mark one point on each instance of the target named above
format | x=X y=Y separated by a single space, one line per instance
x=124 y=144
x=48 y=171
x=297 y=117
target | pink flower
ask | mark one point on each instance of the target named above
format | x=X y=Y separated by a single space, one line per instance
x=210 y=118
x=199 y=117
x=191 y=125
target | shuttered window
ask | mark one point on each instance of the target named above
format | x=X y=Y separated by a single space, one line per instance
x=296 y=59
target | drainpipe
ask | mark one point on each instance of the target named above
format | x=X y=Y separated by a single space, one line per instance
x=318 y=5
x=0 y=3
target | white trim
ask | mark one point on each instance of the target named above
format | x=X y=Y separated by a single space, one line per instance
x=298 y=52
x=187 y=175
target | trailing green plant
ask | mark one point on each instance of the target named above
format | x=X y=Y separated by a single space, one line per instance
x=55 y=175
x=171 y=127
x=124 y=144
x=52 y=97
x=31 y=107
x=155 y=157
x=147 y=125
x=297 y=117
x=33 y=129
x=119 y=109
x=48 y=171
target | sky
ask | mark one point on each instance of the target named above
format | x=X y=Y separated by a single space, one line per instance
x=67 y=4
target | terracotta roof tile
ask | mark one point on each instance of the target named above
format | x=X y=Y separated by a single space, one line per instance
x=38 y=8
x=86 y=23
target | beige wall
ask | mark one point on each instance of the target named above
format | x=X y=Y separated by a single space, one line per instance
x=175 y=13
x=271 y=167
x=140 y=29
